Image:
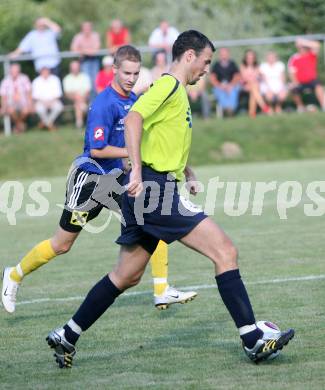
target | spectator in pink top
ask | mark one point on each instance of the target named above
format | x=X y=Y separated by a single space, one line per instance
x=250 y=78
x=16 y=97
x=87 y=44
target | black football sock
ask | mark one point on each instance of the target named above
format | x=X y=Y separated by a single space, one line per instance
x=71 y=336
x=235 y=298
x=98 y=300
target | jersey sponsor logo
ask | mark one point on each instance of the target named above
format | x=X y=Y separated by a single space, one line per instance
x=79 y=218
x=99 y=134
x=120 y=125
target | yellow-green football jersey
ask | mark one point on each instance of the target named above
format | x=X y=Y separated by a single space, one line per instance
x=167 y=126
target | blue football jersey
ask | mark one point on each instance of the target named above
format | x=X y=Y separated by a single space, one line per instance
x=105 y=126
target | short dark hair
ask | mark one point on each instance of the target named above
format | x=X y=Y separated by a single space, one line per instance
x=126 y=52
x=190 y=39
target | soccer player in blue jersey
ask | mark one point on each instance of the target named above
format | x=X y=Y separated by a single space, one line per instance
x=158 y=137
x=94 y=183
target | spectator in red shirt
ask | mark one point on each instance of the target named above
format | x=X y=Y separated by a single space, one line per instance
x=105 y=76
x=116 y=36
x=303 y=72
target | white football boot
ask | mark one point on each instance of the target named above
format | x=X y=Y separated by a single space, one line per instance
x=9 y=290
x=171 y=296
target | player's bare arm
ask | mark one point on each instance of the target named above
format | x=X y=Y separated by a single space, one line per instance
x=133 y=133
x=109 y=151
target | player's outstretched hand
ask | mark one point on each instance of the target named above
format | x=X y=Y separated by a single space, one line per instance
x=193 y=187
x=135 y=185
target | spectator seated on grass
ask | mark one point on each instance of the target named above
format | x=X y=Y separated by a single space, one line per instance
x=16 y=97
x=250 y=78
x=302 y=68
x=225 y=80
x=273 y=82
x=77 y=87
x=46 y=92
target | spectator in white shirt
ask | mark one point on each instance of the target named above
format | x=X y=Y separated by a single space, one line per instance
x=163 y=37
x=273 y=83
x=41 y=43
x=46 y=92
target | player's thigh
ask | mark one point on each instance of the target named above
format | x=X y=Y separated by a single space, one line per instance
x=132 y=263
x=210 y=240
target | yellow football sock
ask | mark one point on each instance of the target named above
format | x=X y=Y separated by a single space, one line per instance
x=159 y=268
x=41 y=254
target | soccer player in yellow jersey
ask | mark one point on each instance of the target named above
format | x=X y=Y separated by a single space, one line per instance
x=158 y=136
x=104 y=149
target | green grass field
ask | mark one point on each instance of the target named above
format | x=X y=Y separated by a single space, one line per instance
x=193 y=346
x=282 y=137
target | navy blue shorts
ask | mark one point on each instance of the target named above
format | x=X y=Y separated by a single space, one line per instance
x=159 y=213
x=299 y=89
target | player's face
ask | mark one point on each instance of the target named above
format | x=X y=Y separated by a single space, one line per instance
x=126 y=75
x=199 y=65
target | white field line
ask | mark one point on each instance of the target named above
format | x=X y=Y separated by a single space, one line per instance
x=188 y=288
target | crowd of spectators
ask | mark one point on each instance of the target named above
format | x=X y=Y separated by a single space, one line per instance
x=264 y=86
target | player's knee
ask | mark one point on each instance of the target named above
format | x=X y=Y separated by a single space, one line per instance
x=124 y=280
x=232 y=255
x=129 y=281
x=134 y=281
x=61 y=248
x=226 y=256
